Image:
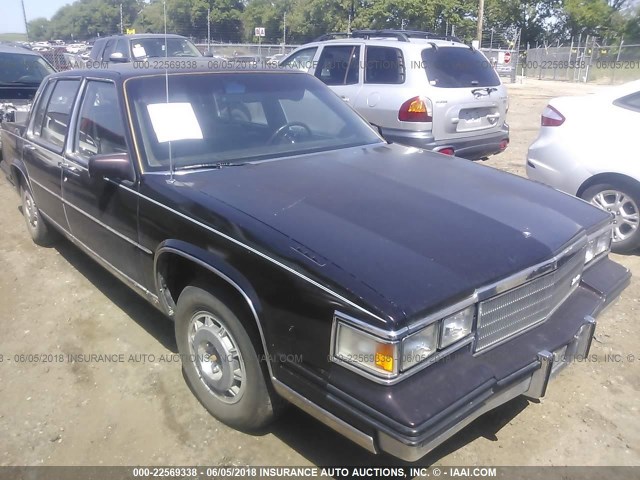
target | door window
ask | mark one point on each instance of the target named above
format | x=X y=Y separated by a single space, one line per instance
x=100 y=126
x=55 y=121
x=339 y=65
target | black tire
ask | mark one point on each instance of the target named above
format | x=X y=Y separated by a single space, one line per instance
x=625 y=239
x=257 y=403
x=41 y=233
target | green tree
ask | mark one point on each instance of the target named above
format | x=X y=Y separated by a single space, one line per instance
x=39 y=29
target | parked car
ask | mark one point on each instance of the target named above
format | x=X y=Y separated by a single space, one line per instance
x=21 y=72
x=603 y=168
x=393 y=294
x=141 y=47
x=420 y=89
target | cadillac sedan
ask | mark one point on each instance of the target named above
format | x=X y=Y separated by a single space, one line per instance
x=394 y=294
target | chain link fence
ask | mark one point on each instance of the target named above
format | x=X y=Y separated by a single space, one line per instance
x=588 y=62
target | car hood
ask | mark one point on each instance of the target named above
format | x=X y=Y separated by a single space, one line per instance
x=405 y=231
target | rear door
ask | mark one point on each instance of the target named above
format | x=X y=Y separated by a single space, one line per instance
x=467 y=95
x=44 y=144
x=339 y=67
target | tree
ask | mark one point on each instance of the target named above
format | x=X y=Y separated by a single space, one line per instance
x=39 y=29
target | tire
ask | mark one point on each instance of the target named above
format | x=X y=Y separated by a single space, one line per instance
x=624 y=201
x=244 y=402
x=41 y=233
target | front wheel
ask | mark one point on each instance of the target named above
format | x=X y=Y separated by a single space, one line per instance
x=40 y=232
x=220 y=361
x=623 y=201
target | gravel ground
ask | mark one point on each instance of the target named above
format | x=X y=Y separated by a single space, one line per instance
x=55 y=301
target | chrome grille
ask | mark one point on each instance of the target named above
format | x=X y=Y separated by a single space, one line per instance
x=512 y=312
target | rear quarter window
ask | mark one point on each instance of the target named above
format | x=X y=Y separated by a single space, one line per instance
x=457 y=67
x=384 y=65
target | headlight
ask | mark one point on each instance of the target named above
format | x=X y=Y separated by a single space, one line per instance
x=366 y=351
x=457 y=326
x=419 y=346
x=597 y=245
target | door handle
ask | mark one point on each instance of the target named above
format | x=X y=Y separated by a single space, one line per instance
x=346 y=99
x=71 y=170
x=28 y=146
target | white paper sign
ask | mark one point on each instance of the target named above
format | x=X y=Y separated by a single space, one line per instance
x=138 y=51
x=174 y=121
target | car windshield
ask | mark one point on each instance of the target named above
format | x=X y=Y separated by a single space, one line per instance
x=155 y=47
x=233 y=118
x=18 y=68
x=456 y=67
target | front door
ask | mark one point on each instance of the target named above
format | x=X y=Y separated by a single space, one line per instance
x=102 y=215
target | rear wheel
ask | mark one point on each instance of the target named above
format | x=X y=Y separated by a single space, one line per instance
x=220 y=361
x=623 y=201
x=41 y=233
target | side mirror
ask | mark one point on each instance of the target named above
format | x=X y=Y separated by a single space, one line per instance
x=118 y=57
x=115 y=166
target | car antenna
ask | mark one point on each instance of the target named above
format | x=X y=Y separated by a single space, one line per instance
x=166 y=82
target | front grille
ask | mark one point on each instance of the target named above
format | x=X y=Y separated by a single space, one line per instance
x=516 y=310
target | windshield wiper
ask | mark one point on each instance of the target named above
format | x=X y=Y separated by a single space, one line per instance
x=216 y=165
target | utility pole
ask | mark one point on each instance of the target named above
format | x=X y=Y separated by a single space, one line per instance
x=284 y=30
x=480 y=20
x=24 y=16
x=121 y=21
x=208 y=30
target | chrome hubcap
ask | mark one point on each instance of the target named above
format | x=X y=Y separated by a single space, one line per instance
x=217 y=358
x=31 y=211
x=627 y=216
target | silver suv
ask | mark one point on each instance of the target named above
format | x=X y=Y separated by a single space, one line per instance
x=418 y=88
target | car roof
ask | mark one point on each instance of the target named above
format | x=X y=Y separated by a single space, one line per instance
x=143 y=35
x=20 y=50
x=122 y=72
x=391 y=42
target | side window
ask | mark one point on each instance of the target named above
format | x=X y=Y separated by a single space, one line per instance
x=35 y=128
x=384 y=65
x=55 y=121
x=302 y=60
x=108 y=49
x=122 y=48
x=96 y=50
x=100 y=127
x=339 y=65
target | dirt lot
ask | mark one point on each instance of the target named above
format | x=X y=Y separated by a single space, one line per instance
x=57 y=301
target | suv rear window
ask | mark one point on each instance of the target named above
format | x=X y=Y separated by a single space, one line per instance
x=456 y=67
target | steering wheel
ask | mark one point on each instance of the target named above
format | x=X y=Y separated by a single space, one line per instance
x=285 y=132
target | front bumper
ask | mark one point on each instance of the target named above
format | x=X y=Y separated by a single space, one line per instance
x=411 y=418
x=472 y=148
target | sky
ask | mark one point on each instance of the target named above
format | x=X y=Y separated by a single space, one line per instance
x=11 y=17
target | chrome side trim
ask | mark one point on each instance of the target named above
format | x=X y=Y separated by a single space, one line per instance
x=107 y=227
x=325 y=417
x=257 y=252
x=139 y=289
x=223 y=277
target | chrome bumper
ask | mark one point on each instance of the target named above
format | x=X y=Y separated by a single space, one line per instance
x=530 y=382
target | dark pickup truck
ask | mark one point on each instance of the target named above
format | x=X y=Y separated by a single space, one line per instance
x=392 y=293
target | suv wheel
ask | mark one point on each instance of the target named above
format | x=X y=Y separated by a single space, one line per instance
x=220 y=361
x=623 y=201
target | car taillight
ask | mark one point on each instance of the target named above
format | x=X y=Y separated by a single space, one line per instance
x=447 y=151
x=551 y=117
x=415 y=110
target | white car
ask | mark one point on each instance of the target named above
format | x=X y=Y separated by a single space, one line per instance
x=588 y=147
